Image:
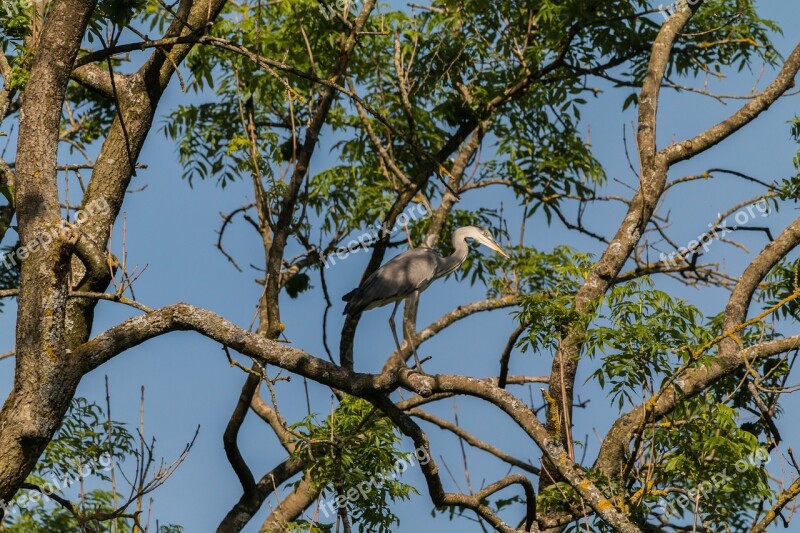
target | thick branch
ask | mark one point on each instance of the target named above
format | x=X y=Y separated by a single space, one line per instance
x=248 y=505
x=742 y=294
x=43 y=381
x=612 y=456
x=231 y=434
x=656 y=66
x=603 y=273
x=785 y=499
x=185 y=317
x=292 y=506
x=716 y=134
x=552 y=448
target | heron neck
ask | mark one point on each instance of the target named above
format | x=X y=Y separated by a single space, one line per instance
x=452 y=262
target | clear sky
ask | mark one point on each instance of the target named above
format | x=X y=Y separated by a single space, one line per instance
x=171 y=228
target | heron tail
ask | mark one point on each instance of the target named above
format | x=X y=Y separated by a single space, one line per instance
x=351 y=298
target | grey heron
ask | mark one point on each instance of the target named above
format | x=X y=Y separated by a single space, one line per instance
x=410 y=273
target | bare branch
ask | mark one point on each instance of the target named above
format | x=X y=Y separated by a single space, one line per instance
x=505 y=357
x=431 y=472
x=472 y=440
x=716 y=134
x=244 y=509
x=231 y=435
x=183 y=317
x=272 y=417
x=398 y=359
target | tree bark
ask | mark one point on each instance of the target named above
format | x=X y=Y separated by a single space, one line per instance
x=45 y=378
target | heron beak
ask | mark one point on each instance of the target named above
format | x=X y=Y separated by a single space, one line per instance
x=497 y=249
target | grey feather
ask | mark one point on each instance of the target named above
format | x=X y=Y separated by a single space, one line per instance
x=412 y=271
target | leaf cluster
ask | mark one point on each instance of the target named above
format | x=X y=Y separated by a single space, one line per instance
x=548 y=282
x=645 y=335
x=355 y=447
x=702 y=451
x=83 y=445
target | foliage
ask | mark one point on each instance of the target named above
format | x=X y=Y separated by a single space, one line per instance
x=15 y=20
x=789 y=188
x=355 y=447
x=83 y=450
x=54 y=519
x=701 y=449
x=9 y=273
x=781 y=284
x=87 y=116
x=15 y=26
x=78 y=452
x=549 y=282
x=458 y=49
x=309 y=527
x=468 y=69
x=84 y=439
x=645 y=335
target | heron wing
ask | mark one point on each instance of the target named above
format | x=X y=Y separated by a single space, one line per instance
x=402 y=275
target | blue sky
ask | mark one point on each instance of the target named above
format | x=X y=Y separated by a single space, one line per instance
x=171 y=229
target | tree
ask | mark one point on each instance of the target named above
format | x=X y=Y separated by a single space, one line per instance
x=423 y=106
x=90 y=444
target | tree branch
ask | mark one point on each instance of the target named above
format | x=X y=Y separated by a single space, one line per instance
x=552 y=448
x=231 y=434
x=748 y=112
x=786 y=497
x=612 y=455
x=292 y=506
x=431 y=472
x=472 y=440
x=601 y=276
x=275 y=421
x=247 y=506
x=399 y=358
x=185 y=317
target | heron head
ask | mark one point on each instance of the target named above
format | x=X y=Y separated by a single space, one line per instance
x=483 y=236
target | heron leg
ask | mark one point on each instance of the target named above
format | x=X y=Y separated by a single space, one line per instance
x=392 y=325
x=394 y=334
x=409 y=337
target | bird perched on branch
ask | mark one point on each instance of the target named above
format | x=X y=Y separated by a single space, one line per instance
x=410 y=273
